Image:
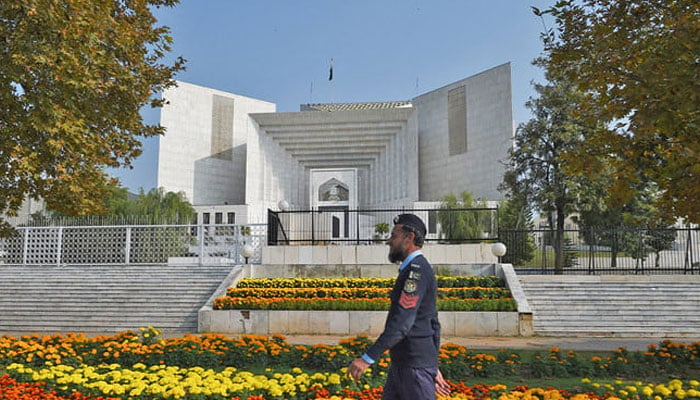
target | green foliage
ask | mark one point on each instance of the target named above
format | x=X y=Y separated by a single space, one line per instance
x=514 y=223
x=458 y=223
x=535 y=174
x=381 y=229
x=660 y=239
x=636 y=64
x=74 y=76
x=159 y=206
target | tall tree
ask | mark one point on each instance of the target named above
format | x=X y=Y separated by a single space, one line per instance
x=160 y=206
x=457 y=223
x=514 y=228
x=74 y=75
x=637 y=64
x=536 y=164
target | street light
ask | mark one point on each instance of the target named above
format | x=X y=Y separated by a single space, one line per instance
x=498 y=250
x=247 y=252
x=283 y=205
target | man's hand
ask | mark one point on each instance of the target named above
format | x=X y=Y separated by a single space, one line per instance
x=441 y=386
x=357 y=367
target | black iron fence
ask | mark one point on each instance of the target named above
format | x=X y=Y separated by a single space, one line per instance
x=533 y=251
x=601 y=251
x=339 y=225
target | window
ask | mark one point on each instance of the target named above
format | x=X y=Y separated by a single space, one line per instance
x=231 y=218
x=457 y=120
x=219 y=218
x=205 y=219
x=432 y=221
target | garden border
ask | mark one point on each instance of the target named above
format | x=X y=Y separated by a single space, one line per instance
x=348 y=323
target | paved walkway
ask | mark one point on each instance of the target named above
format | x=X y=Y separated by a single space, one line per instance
x=525 y=343
x=480 y=343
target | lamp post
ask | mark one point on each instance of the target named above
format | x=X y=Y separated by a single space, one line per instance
x=498 y=250
x=247 y=252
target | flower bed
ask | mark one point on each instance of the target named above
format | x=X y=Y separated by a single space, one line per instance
x=443 y=282
x=143 y=365
x=454 y=294
x=161 y=382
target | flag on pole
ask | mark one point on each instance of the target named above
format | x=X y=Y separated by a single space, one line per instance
x=330 y=74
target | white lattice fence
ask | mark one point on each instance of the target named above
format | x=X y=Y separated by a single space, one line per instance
x=137 y=244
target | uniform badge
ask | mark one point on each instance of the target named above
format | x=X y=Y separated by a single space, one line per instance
x=408 y=300
x=410 y=286
x=414 y=275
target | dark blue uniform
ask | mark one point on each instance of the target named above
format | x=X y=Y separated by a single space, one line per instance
x=411 y=333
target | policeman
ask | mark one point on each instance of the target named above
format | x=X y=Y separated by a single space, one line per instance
x=412 y=330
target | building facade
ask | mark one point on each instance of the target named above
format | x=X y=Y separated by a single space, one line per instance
x=234 y=157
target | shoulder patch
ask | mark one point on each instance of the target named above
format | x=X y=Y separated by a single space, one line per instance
x=408 y=300
x=410 y=286
x=415 y=275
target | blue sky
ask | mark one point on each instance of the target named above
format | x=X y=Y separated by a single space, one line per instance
x=280 y=51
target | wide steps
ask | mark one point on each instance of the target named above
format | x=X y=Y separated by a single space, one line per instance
x=644 y=306
x=105 y=298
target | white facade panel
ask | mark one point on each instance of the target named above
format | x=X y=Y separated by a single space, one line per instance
x=189 y=161
x=489 y=132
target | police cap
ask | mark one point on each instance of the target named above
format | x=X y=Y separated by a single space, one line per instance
x=412 y=222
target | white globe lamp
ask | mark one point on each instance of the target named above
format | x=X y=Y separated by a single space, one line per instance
x=247 y=252
x=283 y=205
x=498 y=250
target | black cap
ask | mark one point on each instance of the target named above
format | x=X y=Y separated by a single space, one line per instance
x=411 y=221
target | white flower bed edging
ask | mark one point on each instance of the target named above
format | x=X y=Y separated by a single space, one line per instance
x=352 y=323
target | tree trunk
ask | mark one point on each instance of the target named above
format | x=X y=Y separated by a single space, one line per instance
x=559 y=243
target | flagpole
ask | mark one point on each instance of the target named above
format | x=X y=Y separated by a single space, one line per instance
x=330 y=80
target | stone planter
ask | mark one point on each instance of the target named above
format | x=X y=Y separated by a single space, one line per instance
x=352 y=323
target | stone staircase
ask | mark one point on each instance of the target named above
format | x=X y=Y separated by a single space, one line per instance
x=105 y=299
x=614 y=306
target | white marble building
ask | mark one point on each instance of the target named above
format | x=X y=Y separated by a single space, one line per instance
x=234 y=157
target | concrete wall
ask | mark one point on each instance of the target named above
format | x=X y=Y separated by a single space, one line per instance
x=479 y=253
x=351 y=323
x=193 y=157
x=489 y=131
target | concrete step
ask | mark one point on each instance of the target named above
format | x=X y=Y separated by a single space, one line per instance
x=160 y=288
x=632 y=314
x=105 y=298
x=617 y=333
x=613 y=306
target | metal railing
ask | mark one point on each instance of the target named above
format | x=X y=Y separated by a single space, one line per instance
x=132 y=244
x=600 y=251
x=339 y=225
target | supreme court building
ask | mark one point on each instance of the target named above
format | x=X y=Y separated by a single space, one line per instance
x=234 y=156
